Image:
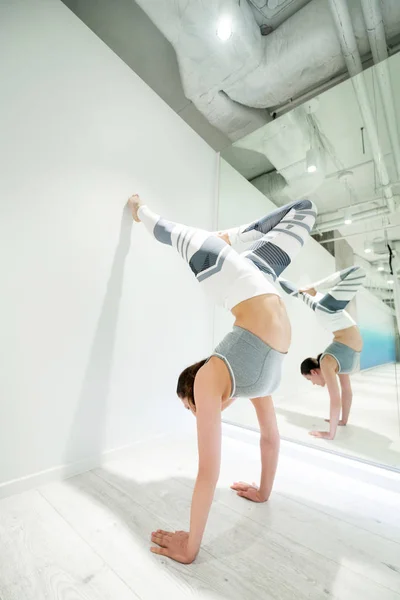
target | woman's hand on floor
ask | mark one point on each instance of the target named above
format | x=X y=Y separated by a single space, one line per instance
x=173 y=545
x=250 y=492
x=321 y=434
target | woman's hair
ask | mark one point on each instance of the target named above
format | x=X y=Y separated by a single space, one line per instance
x=310 y=364
x=185 y=387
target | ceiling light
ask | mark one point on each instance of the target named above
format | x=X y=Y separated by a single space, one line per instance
x=390 y=281
x=367 y=247
x=224 y=28
x=381 y=266
x=348 y=217
x=311 y=160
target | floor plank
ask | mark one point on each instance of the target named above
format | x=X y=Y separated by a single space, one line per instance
x=323 y=534
x=324 y=489
x=271 y=560
x=304 y=521
x=119 y=529
x=42 y=558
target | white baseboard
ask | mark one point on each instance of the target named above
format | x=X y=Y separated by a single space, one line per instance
x=61 y=472
x=357 y=469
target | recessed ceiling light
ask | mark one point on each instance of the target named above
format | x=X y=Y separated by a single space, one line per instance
x=224 y=28
x=390 y=281
x=381 y=267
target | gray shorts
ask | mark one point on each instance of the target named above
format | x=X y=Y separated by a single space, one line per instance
x=255 y=368
x=348 y=360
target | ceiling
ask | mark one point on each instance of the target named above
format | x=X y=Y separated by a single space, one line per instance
x=299 y=57
x=189 y=72
x=347 y=176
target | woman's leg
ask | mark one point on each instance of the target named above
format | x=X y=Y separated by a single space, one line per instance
x=342 y=286
x=207 y=254
x=203 y=251
x=345 y=286
x=278 y=237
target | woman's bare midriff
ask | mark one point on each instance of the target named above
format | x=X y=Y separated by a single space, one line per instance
x=266 y=317
x=350 y=337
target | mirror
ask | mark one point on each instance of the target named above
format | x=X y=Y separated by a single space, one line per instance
x=338 y=150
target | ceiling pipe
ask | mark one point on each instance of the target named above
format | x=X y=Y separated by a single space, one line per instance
x=275 y=13
x=344 y=26
x=322 y=227
x=349 y=235
x=251 y=69
x=332 y=215
x=323 y=87
x=377 y=40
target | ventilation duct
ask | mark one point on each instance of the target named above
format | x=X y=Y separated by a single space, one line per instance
x=285 y=142
x=274 y=12
x=233 y=82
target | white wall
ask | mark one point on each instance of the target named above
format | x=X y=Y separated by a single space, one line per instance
x=97 y=319
x=240 y=202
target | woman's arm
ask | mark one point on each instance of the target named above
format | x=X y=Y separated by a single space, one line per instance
x=328 y=368
x=269 y=446
x=269 y=443
x=208 y=413
x=347 y=397
x=182 y=546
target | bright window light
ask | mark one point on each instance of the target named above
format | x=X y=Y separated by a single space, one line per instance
x=224 y=28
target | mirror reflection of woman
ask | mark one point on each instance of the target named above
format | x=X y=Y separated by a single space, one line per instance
x=248 y=361
x=333 y=367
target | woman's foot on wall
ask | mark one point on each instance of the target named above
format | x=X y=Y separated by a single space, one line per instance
x=134 y=204
x=309 y=291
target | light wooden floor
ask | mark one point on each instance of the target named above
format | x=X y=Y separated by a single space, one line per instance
x=328 y=532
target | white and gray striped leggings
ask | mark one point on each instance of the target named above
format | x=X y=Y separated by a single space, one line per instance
x=342 y=287
x=230 y=277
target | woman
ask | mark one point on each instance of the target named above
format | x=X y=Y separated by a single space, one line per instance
x=248 y=361
x=342 y=357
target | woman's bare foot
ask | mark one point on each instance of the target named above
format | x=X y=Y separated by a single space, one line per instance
x=309 y=291
x=134 y=204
